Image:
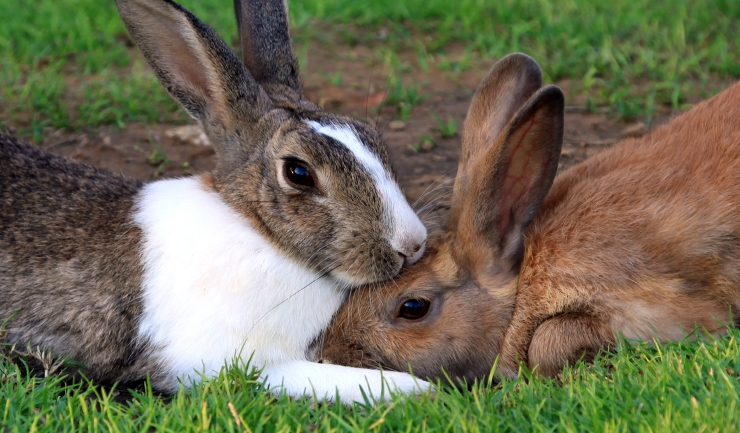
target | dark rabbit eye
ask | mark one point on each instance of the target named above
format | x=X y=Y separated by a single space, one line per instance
x=298 y=175
x=414 y=309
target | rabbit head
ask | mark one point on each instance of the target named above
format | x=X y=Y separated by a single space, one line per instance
x=317 y=185
x=450 y=310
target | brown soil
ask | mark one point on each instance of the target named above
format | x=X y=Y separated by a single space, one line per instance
x=425 y=174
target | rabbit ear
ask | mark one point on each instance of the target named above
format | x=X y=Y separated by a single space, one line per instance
x=195 y=66
x=507 y=87
x=266 y=47
x=512 y=143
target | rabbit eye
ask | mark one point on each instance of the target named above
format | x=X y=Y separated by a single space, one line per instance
x=414 y=309
x=298 y=175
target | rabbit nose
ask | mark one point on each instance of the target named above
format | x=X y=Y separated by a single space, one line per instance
x=413 y=253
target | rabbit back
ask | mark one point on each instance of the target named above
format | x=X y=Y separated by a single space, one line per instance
x=70 y=275
x=649 y=229
x=642 y=240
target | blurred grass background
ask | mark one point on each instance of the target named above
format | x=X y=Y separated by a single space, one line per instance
x=68 y=63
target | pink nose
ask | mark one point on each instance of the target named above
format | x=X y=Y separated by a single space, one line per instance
x=413 y=253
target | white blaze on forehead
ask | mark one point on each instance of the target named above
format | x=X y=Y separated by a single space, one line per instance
x=405 y=229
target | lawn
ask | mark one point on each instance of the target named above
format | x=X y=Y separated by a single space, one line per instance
x=68 y=70
x=676 y=387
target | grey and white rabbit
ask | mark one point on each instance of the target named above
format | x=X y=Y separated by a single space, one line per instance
x=177 y=277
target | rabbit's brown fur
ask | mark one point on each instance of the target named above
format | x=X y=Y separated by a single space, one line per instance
x=642 y=239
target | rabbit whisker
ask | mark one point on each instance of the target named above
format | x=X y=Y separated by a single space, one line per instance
x=434 y=188
x=284 y=301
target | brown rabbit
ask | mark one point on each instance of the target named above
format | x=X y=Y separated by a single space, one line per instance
x=642 y=239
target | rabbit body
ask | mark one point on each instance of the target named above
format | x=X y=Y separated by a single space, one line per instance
x=161 y=279
x=65 y=228
x=642 y=239
x=179 y=277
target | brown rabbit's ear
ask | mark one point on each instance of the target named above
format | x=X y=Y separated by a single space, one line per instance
x=266 y=47
x=509 y=163
x=197 y=68
x=507 y=87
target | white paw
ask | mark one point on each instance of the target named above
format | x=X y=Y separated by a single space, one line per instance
x=405 y=383
x=327 y=381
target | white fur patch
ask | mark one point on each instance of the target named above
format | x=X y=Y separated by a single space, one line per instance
x=406 y=231
x=215 y=289
x=325 y=381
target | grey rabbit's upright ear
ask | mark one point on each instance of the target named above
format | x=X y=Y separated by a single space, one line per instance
x=198 y=69
x=511 y=147
x=266 y=48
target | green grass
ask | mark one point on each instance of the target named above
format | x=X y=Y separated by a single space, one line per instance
x=65 y=63
x=447 y=128
x=674 y=387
